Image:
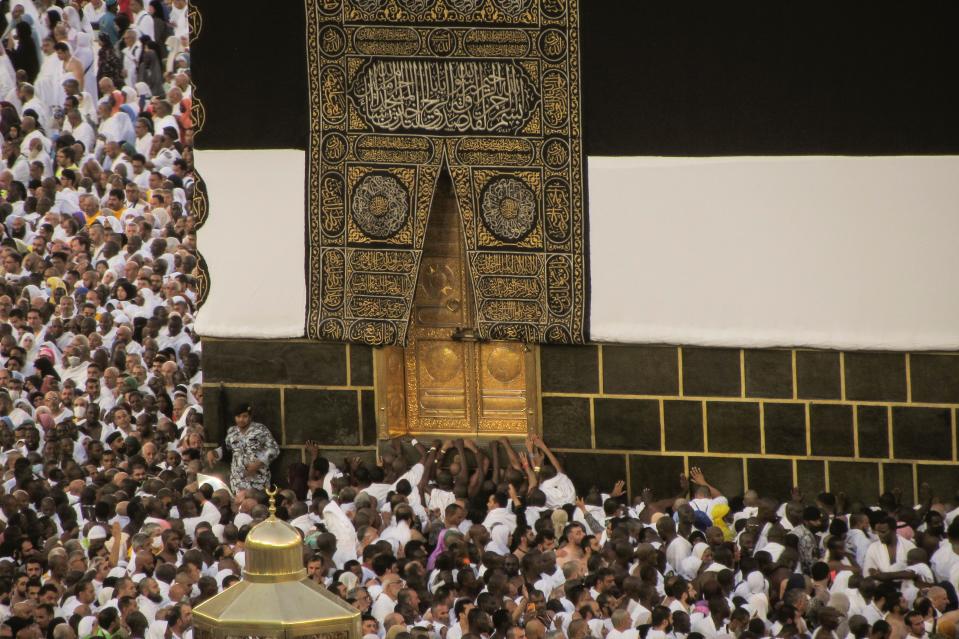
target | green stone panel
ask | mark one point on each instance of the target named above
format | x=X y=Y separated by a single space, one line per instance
x=818 y=375
x=627 y=423
x=589 y=469
x=274 y=362
x=830 y=430
x=769 y=373
x=220 y=402
x=368 y=401
x=641 y=370
x=733 y=427
x=658 y=473
x=361 y=365
x=711 y=372
x=569 y=369
x=921 y=433
x=770 y=477
x=859 y=480
x=898 y=476
x=725 y=473
x=879 y=377
x=943 y=480
x=873 y=426
x=684 y=425
x=328 y=416
x=811 y=477
x=785 y=426
x=566 y=422
x=935 y=378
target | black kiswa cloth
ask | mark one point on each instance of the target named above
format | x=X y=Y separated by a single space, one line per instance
x=612 y=78
x=673 y=79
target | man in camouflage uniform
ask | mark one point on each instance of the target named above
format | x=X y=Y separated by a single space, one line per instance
x=253 y=449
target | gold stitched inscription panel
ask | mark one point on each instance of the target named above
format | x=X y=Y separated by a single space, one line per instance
x=490 y=89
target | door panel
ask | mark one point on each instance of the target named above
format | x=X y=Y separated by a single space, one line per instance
x=442 y=385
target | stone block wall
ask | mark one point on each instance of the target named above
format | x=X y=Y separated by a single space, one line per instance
x=302 y=390
x=856 y=422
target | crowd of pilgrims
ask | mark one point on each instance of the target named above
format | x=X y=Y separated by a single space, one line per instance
x=100 y=383
x=110 y=526
x=457 y=540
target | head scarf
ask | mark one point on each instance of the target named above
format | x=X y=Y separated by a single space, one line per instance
x=719 y=511
x=34 y=292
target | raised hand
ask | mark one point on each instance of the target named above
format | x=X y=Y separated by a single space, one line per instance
x=618 y=489
x=696 y=475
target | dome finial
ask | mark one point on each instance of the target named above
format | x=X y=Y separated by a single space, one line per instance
x=272 y=495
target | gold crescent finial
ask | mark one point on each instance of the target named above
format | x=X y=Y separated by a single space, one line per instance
x=272 y=495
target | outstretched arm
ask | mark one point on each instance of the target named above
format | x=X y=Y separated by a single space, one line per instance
x=428 y=470
x=482 y=466
x=464 y=473
x=494 y=453
x=697 y=476
x=531 y=480
x=510 y=453
x=546 y=451
x=421 y=449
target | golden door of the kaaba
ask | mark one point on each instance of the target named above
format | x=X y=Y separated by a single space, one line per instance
x=445 y=381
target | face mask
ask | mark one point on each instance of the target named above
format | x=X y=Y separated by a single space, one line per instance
x=73 y=360
x=80 y=411
x=37 y=469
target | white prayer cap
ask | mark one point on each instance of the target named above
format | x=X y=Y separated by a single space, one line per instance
x=97 y=532
x=348 y=579
x=117 y=571
x=105 y=594
x=85 y=627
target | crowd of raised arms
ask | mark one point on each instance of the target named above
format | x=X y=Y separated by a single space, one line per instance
x=458 y=540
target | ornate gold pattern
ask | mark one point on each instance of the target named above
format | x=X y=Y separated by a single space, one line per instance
x=199 y=201
x=194 y=20
x=202 y=275
x=490 y=88
x=445 y=381
x=197 y=113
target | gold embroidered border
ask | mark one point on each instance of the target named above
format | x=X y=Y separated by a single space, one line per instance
x=400 y=90
x=200 y=201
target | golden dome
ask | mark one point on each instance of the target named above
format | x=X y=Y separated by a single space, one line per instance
x=274 y=551
x=274 y=597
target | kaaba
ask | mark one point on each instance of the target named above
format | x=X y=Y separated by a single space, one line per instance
x=663 y=236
